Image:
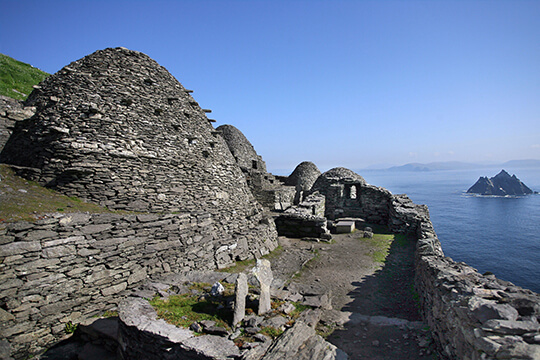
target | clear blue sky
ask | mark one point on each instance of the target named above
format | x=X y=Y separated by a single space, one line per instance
x=339 y=83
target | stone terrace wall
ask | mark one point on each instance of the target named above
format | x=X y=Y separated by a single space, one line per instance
x=72 y=267
x=474 y=316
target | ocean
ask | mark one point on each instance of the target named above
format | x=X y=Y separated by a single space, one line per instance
x=496 y=234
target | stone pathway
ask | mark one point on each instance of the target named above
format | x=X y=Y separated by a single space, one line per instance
x=379 y=318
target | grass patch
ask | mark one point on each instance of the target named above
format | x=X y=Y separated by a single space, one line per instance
x=271 y=331
x=381 y=246
x=299 y=308
x=17 y=78
x=110 y=313
x=242 y=265
x=183 y=310
x=21 y=199
x=70 y=327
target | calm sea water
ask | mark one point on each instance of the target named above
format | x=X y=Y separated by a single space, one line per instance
x=496 y=234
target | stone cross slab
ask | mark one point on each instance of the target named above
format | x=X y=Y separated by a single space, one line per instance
x=240 y=302
x=263 y=273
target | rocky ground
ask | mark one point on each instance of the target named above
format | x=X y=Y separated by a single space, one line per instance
x=378 y=299
x=379 y=318
x=373 y=311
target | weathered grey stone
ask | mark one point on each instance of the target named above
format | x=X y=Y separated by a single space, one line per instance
x=5 y=316
x=287 y=308
x=5 y=350
x=263 y=273
x=138 y=275
x=484 y=310
x=241 y=291
x=277 y=322
x=59 y=251
x=217 y=289
x=72 y=239
x=20 y=226
x=511 y=327
x=140 y=314
x=343 y=227
x=257 y=352
x=93 y=229
x=318 y=301
x=302 y=342
x=40 y=234
x=212 y=347
x=19 y=247
x=114 y=289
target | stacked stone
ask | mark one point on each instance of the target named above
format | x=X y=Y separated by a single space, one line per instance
x=305 y=220
x=76 y=266
x=11 y=111
x=408 y=217
x=268 y=191
x=473 y=316
x=304 y=176
x=243 y=151
x=348 y=195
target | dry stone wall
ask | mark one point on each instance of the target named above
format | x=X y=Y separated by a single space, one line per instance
x=75 y=266
x=473 y=316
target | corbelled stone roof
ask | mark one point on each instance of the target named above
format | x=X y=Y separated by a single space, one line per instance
x=117 y=128
x=304 y=176
x=335 y=176
x=242 y=150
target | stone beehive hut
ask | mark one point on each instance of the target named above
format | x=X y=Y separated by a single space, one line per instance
x=267 y=189
x=342 y=188
x=242 y=150
x=304 y=176
x=342 y=178
x=118 y=129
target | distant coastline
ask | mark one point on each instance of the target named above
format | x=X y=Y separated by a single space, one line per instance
x=456 y=165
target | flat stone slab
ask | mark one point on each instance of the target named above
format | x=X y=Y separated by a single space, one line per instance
x=140 y=314
x=344 y=227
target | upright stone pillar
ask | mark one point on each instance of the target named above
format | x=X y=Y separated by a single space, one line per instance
x=240 y=302
x=263 y=273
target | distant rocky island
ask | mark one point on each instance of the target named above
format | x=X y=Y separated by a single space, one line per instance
x=501 y=184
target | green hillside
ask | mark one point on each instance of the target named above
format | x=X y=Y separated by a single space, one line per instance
x=17 y=78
